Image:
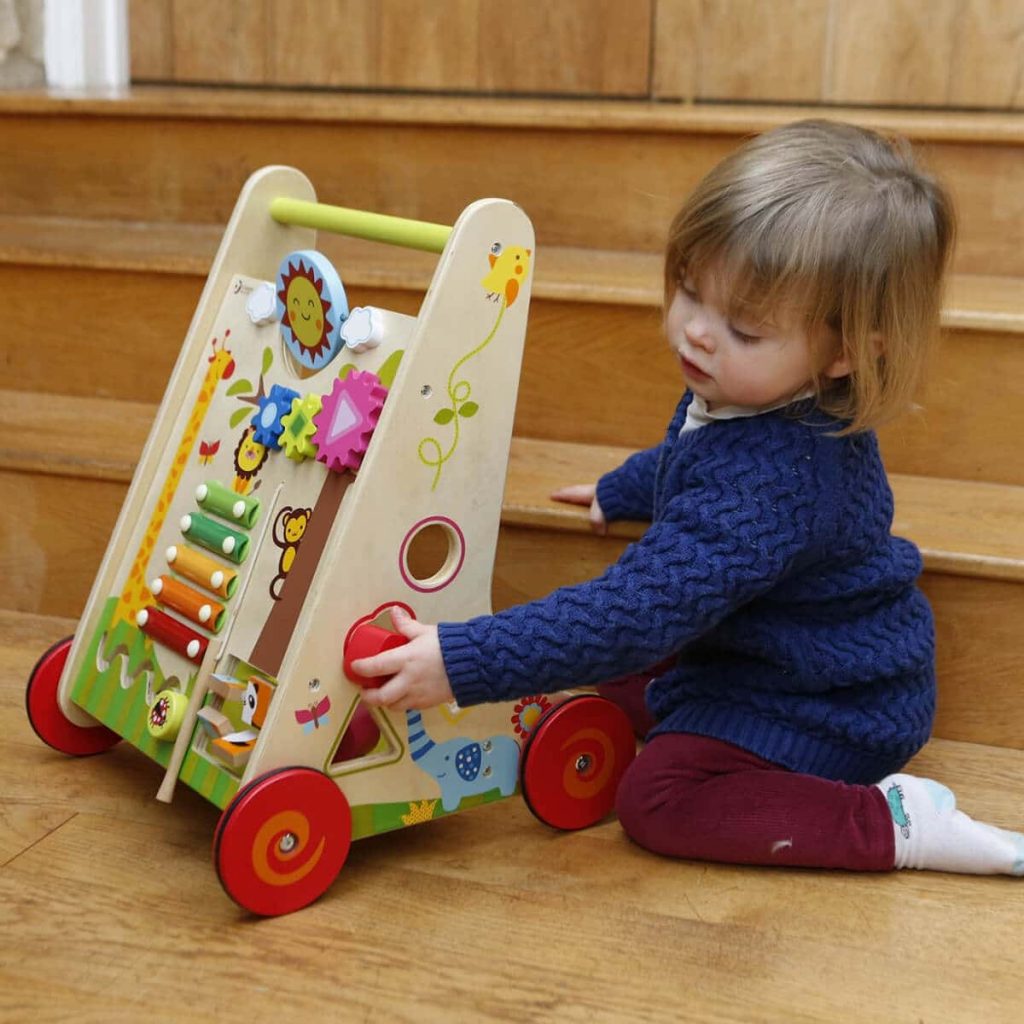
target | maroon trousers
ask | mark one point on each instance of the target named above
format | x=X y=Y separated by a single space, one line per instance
x=699 y=798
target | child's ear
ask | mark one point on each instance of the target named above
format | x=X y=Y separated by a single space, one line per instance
x=841 y=365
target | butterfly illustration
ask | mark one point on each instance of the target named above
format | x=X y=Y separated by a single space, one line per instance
x=314 y=716
x=207 y=450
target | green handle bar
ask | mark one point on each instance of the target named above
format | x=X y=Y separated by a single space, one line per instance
x=376 y=227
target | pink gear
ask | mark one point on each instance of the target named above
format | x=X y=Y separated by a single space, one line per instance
x=347 y=420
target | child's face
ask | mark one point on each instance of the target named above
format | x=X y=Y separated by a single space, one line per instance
x=730 y=361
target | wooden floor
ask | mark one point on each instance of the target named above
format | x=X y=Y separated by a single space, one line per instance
x=110 y=911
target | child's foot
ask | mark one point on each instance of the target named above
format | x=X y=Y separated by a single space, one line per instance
x=931 y=833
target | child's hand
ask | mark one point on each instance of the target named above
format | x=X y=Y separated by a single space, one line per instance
x=420 y=679
x=584 y=494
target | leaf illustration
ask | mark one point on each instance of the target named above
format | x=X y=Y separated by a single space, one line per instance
x=238 y=415
x=468 y=409
x=240 y=386
x=346 y=370
x=268 y=358
x=444 y=416
x=390 y=368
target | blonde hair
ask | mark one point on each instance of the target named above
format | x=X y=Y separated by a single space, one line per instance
x=840 y=225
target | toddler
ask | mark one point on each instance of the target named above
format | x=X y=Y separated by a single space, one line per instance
x=795 y=653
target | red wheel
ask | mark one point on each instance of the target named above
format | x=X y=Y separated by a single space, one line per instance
x=574 y=760
x=282 y=840
x=45 y=714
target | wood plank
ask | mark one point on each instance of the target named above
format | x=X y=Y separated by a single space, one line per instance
x=114 y=165
x=737 y=943
x=756 y=51
x=987 y=55
x=151 y=39
x=894 y=53
x=676 y=52
x=222 y=43
x=596 y=47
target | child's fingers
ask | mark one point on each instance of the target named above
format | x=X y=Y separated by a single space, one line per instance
x=406 y=624
x=384 y=664
x=575 y=494
x=388 y=695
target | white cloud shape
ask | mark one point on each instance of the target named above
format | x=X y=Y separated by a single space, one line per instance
x=262 y=303
x=362 y=330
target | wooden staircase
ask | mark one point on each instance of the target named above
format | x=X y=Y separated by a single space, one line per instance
x=111 y=210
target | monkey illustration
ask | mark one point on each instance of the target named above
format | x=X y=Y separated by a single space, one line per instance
x=249 y=458
x=289 y=528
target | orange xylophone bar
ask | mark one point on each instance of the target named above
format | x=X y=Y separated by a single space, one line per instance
x=172 y=633
x=202 y=569
x=189 y=602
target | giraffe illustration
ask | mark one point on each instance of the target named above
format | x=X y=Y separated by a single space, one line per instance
x=136 y=593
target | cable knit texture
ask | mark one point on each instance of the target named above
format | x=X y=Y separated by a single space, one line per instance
x=768 y=574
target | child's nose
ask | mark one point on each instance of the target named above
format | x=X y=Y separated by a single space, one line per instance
x=698 y=331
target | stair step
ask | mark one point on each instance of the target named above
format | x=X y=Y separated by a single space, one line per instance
x=65 y=463
x=127 y=293
x=596 y=174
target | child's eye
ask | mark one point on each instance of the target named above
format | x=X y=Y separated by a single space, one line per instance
x=747 y=339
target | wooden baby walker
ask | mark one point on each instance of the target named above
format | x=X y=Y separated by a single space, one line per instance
x=303 y=454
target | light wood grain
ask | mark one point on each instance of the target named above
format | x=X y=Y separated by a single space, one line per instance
x=897 y=52
x=676 y=49
x=151 y=33
x=220 y=43
x=755 y=51
x=988 y=55
x=484 y=916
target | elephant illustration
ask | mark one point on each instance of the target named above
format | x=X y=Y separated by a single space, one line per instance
x=464 y=767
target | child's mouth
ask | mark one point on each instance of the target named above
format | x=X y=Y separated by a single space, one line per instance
x=693 y=372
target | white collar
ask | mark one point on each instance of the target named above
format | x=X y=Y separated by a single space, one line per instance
x=699 y=415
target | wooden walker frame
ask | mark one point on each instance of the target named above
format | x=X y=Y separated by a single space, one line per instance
x=301 y=452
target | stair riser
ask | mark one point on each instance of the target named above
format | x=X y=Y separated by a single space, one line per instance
x=600 y=189
x=593 y=372
x=57 y=528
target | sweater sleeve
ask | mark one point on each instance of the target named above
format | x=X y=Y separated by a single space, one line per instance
x=628 y=492
x=727 y=537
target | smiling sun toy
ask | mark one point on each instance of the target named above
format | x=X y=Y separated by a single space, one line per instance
x=312 y=306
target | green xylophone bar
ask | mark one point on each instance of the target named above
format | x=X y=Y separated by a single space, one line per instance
x=222 y=501
x=215 y=537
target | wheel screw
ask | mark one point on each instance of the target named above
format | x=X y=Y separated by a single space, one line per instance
x=583 y=762
x=288 y=842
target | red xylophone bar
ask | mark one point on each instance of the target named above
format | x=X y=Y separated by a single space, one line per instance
x=172 y=633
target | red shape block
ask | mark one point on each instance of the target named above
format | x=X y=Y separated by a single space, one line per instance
x=365 y=641
x=172 y=633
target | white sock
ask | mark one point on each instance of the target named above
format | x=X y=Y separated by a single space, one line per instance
x=931 y=833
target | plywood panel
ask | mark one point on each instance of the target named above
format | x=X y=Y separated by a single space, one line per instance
x=331 y=43
x=750 y=50
x=575 y=46
x=221 y=42
x=675 y=49
x=988 y=55
x=897 y=52
x=151 y=40
x=427 y=45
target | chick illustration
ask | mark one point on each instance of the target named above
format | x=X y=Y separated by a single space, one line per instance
x=508 y=267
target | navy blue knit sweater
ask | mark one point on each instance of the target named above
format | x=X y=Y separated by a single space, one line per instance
x=769 y=576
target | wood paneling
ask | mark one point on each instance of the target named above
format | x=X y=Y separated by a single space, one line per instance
x=224 y=41
x=151 y=29
x=676 y=49
x=988 y=55
x=896 y=52
x=600 y=47
x=590 y=47
x=751 y=50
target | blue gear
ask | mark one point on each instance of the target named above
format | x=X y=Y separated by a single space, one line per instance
x=267 y=419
